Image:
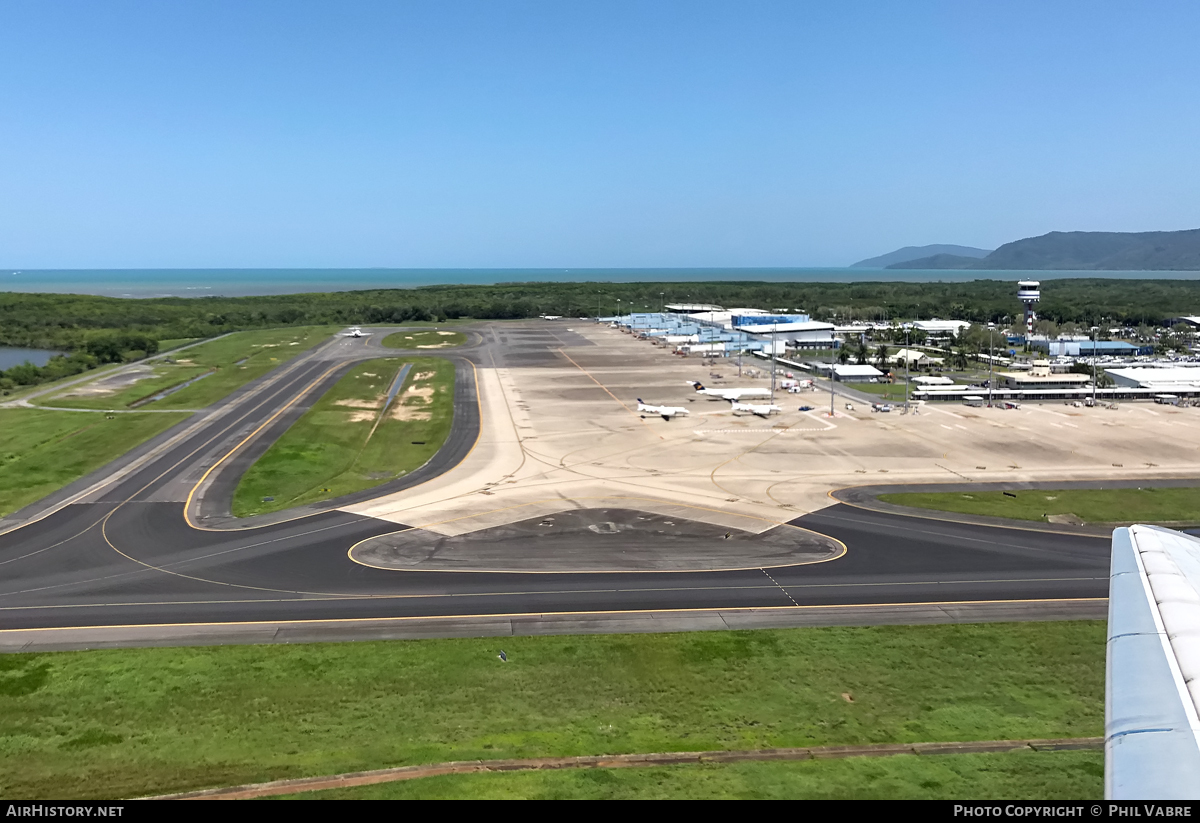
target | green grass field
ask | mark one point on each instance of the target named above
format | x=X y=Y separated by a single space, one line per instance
x=167 y=345
x=428 y=339
x=341 y=445
x=893 y=392
x=230 y=362
x=122 y=723
x=42 y=451
x=1007 y=776
x=1147 y=505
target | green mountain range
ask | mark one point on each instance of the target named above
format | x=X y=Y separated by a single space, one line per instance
x=1080 y=251
x=907 y=253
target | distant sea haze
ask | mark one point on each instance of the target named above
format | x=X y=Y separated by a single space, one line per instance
x=247 y=282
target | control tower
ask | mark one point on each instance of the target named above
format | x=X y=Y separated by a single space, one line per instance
x=1029 y=292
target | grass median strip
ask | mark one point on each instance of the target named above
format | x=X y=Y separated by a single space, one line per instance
x=152 y=721
x=1025 y=775
x=424 y=339
x=349 y=441
x=42 y=451
x=333 y=784
x=1144 y=505
x=890 y=392
x=217 y=368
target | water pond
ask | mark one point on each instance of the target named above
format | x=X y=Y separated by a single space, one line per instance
x=10 y=357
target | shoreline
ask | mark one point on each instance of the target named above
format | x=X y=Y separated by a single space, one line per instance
x=252 y=282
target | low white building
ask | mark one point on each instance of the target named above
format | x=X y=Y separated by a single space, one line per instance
x=790 y=328
x=692 y=308
x=940 y=328
x=914 y=357
x=715 y=318
x=808 y=334
x=1171 y=378
x=702 y=348
x=856 y=374
x=1040 y=376
x=812 y=335
x=853 y=330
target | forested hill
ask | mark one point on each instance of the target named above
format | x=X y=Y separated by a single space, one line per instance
x=1082 y=251
x=913 y=252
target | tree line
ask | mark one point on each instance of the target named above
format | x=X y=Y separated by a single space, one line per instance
x=89 y=327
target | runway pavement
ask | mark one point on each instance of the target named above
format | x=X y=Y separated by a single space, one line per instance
x=156 y=547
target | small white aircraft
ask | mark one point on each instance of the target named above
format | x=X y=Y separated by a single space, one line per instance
x=667 y=412
x=728 y=394
x=760 y=410
x=354 y=332
x=552 y=317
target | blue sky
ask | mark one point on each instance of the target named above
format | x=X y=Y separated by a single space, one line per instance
x=546 y=134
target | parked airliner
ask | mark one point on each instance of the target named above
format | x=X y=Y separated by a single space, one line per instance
x=728 y=394
x=760 y=410
x=667 y=412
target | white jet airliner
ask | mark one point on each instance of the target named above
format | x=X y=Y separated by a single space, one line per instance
x=667 y=412
x=729 y=394
x=761 y=411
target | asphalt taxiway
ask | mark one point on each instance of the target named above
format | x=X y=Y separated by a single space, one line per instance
x=146 y=549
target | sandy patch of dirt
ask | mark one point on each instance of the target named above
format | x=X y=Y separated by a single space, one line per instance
x=108 y=385
x=401 y=412
x=425 y=393
x=425 y=375
x=361 y=416
x=356 y=403
x=446 y=333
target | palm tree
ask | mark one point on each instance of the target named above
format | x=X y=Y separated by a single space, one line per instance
x=883 y=355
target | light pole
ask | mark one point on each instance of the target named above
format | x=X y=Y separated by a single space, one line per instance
x=991 y=364
x=831 y=357
x=907 y=360
x=774 y=333
x=1093 y=365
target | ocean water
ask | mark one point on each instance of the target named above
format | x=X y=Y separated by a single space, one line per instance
x=246 y=282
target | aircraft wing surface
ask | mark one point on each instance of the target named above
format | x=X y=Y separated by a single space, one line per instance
x=1152 y=705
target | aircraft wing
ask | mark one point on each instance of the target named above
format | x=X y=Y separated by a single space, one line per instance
x=1152 y=704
